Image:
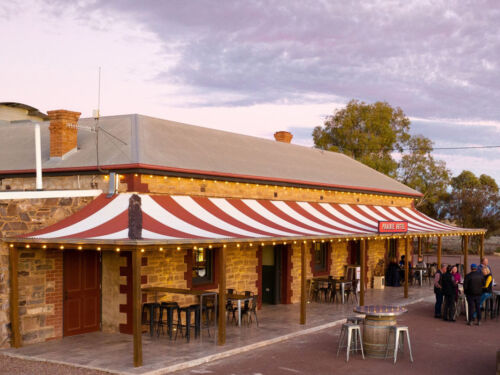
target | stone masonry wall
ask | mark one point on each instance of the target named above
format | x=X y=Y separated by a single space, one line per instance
x=40 y=271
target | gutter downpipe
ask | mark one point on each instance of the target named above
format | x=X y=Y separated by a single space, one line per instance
x=38 y=158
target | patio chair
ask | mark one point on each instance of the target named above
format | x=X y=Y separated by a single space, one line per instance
x=251 y=311
x=334 y=291
x=150 y=310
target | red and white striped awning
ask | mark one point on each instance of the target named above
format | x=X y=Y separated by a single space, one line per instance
x=177 y=219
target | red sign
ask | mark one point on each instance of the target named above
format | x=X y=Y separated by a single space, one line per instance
x=392 y=226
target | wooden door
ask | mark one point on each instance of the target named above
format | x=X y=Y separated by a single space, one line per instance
x=81 y=292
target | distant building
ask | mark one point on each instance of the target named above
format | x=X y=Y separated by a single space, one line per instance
x=13 y=112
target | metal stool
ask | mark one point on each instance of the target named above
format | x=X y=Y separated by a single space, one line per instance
x=347 y=334
x=398 y=331
x=169 y=307
x=151 y=308
x=355 y=319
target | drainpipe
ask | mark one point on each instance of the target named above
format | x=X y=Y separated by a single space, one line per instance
x=38 y=157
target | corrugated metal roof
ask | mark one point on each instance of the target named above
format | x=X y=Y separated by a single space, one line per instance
x=187 y=148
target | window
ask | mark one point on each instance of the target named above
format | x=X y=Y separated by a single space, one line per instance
x=203 y=266
x=321 y=258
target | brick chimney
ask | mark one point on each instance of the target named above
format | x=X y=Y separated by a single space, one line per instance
x=283 y=136
x=63 y=132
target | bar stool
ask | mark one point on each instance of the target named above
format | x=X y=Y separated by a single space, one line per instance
x=187 y=318
x=169 y=307
x=347 y=334
x=355 y=319
x=397 y=332
x=150 y=307
x=489 y=307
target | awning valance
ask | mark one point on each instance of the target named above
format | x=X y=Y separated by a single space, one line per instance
x=177 y=219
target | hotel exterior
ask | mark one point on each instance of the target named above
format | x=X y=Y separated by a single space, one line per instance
x=132 y=201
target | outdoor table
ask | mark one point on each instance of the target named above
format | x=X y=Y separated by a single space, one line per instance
x=378 y=320
x=199 y=293
x=238 y=298
x=343 y=283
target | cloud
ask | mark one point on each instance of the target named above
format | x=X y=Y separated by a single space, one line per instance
x=434 y=58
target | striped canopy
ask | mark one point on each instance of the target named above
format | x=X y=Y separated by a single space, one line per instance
x=177 y=219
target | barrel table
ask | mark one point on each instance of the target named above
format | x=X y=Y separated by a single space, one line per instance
x=378 y=319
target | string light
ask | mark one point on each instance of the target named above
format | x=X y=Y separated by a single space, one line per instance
x=27 y=246
x=11 y=245
x=117 y=249
x=44 y=246
x=98 y=249
x=142 y=250
x=178 y=248
x=79 y=247
x=161 y=248
x=61 y=247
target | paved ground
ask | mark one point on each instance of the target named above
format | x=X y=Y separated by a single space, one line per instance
x=438 y=348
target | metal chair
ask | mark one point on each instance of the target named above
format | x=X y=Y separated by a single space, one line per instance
x=351 y=334
x=398 y=333
x=150 y=308
x=251 y=311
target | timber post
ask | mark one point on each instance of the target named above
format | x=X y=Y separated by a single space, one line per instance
x=363 y=274
x=136 y=306
x=419 y=247
x=303 y=285
x=466 y=251
x=481 y=246
x=221 y=339
x=14 y=298
x=440 y=243
x=407 y=245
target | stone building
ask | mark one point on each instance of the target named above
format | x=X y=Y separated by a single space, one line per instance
x=197 y=191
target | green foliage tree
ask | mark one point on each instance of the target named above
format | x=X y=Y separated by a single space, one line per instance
x=419 y=170
x=474 y=202
x=369 y=133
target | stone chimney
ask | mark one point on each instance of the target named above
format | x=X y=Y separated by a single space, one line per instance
x=63 y=132
x=283 y=136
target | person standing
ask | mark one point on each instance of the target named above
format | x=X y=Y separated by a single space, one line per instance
x=438 y=290
x=448 y=286
x=487 y=287
x=473 y=288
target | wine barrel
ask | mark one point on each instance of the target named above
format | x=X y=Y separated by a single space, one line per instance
x=375 y=333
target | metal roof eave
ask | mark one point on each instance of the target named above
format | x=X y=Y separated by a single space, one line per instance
x=185 y=242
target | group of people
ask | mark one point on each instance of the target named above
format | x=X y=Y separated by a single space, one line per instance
x=477 y=288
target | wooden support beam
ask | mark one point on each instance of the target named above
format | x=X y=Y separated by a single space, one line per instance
x=303 y=286
x=136 y=308
x=15 y=340
x=363 y=273
x=466 y=251
x=439 y=245
x=481 y=247
x=407 y=245
x=419 y=247
x=221 y=339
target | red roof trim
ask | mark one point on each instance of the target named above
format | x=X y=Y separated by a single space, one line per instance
x=209 y=173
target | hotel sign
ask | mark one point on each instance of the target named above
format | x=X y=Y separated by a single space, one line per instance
x=392 y=226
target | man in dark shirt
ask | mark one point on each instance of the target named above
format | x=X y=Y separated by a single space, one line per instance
x=473 y=287
x=448 y=285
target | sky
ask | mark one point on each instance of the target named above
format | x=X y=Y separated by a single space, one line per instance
x=256 y=67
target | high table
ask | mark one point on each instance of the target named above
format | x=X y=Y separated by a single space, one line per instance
x=496 y=303
x=341 y=282
x=199 y=293
x=378 y=320
x=239 y=298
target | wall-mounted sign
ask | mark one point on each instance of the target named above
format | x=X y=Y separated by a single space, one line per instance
x=392 y=226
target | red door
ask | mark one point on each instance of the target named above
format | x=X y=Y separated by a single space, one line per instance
x=82 y=292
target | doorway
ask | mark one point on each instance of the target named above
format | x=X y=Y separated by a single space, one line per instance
x=276 y=270
x=81 y=292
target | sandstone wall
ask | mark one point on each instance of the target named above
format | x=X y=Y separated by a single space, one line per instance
x=40 y=271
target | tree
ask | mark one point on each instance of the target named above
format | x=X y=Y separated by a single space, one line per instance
x=369 y=133
x=419 y=170
x=474 y=202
